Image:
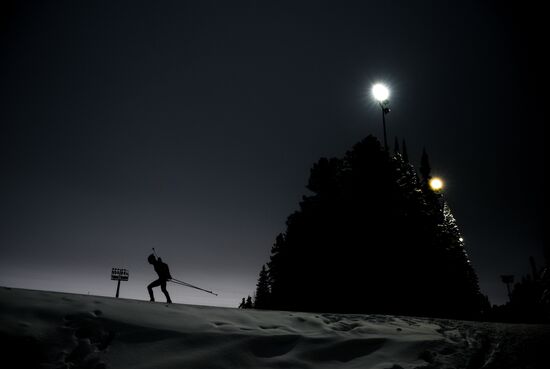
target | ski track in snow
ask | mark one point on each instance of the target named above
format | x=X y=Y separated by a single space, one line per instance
x=58 y=330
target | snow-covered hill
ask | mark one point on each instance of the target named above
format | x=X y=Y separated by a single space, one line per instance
x=56 y=330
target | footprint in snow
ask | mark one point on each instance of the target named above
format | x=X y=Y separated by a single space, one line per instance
x=86 y=338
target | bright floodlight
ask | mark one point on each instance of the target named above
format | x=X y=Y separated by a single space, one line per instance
x=380 y=92
x=436 y=184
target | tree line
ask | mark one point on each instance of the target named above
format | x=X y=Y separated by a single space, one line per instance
x=372 y=236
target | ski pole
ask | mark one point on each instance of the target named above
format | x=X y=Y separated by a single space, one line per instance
x=182 y=283
x=195 y=287
x=155 y=253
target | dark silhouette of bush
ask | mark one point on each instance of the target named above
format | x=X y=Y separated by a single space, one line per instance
x=242 y=304
x=248 y=304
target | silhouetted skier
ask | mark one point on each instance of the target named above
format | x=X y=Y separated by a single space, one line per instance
x=164 y=276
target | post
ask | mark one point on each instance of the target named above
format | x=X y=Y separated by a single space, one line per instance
x=117 y=288
x=381 y=94
x=384 y=126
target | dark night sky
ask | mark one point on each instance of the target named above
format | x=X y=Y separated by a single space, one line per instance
x=191 y=127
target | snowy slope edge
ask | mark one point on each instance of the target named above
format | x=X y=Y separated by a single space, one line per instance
x=60 y=330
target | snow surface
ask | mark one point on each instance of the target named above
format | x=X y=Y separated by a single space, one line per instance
x=60 y=330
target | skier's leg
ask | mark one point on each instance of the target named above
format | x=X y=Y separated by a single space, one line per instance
x=165 y=291
x=150 y=288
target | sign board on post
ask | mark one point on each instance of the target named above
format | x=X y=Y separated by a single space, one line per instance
x=119 y=274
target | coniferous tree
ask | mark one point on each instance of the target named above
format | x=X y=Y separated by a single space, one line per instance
x=261 y=300
x=248 y=304
x=405 y=153
x=425 y=168
x=396 y=146
x=459 y=276
x=278 y=279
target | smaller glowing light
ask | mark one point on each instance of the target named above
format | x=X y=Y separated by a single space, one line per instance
x=380 y=92
x=461 y=239
x=436 y=184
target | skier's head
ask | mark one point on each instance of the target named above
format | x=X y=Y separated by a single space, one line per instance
x=152 y=259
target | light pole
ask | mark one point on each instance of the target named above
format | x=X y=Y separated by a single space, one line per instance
x=381 y=94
